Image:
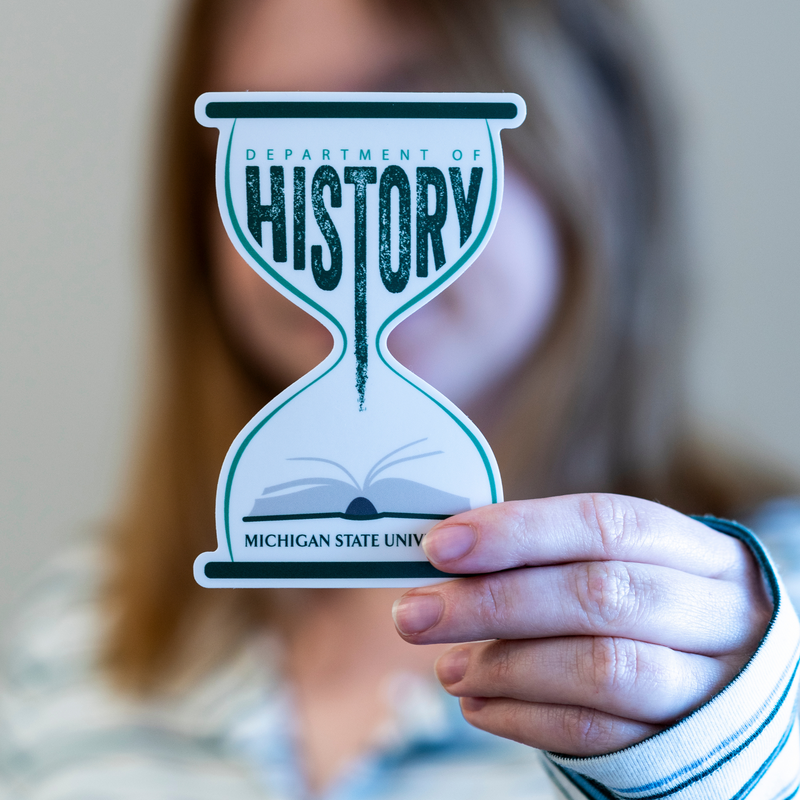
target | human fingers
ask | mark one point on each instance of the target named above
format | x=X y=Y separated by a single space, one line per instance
x=584 y=527
x=569 y=730
x=649 y=603
x=621 y=677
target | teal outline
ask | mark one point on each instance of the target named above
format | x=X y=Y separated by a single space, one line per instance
x=413 y=301
x=270 y=271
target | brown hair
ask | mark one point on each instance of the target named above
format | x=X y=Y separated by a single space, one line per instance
x=597 y=407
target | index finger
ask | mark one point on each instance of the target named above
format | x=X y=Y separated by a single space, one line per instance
x=581 y=527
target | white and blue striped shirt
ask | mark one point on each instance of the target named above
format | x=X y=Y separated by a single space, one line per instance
x=67 y=735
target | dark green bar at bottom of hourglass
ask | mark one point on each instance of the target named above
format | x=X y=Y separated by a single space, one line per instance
x=323 y=569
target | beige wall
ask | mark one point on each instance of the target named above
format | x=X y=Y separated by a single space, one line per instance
x=75 y=84
x=735 y=66
x=75 y=79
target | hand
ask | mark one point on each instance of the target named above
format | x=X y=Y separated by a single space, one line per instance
x=610 y=618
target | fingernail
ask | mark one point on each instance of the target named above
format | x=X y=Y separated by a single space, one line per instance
x=471 y=704
x=449 y=542
x=452 y=666
x=417 y=613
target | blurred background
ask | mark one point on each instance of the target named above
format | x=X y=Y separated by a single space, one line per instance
x=77 y=81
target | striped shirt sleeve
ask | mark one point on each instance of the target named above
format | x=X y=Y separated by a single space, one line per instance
x=741 y=743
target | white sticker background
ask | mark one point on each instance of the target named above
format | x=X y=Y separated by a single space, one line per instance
x=336 y=480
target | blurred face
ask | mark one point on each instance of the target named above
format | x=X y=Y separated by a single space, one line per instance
x=469 y=339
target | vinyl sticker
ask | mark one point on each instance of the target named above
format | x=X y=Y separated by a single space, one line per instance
x=359 y=208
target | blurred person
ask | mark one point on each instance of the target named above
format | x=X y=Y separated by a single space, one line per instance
x=607 y=645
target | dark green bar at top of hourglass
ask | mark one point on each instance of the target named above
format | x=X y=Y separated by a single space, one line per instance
x=359 y=110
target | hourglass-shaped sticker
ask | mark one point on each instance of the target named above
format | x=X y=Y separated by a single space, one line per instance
x=359 y=208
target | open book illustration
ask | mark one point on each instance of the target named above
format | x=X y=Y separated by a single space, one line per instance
x=317 y=498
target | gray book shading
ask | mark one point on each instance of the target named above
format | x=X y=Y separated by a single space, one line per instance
x=320 y=497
